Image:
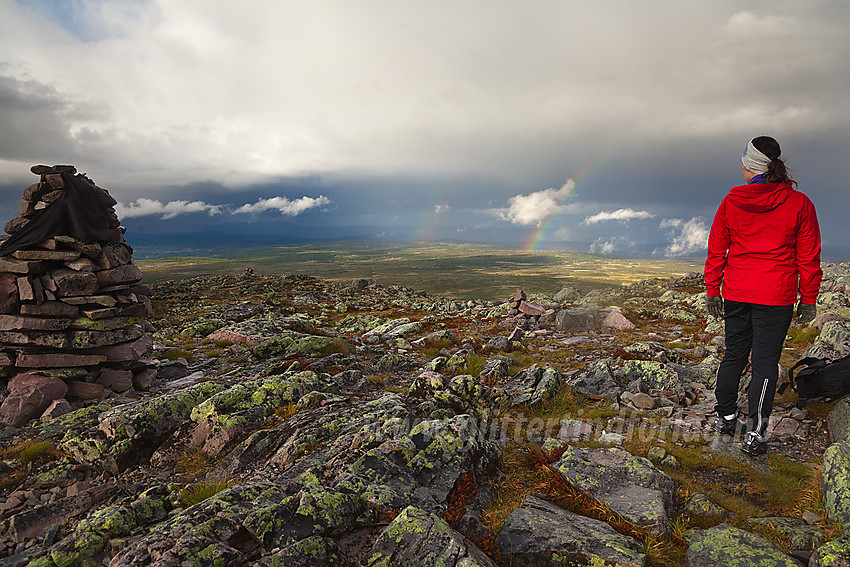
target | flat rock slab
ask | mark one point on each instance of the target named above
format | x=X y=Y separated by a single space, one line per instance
x=731 y=547
x=416 y=537
x=629 y=485
x=540 y=533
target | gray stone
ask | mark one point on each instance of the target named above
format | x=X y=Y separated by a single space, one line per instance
x=839 y=421
x=800 y=534
x=534 y=386
x=416 y=537
x=833 y=341
x=540 y=533
x=73 y=284
x=731 y=547
x=578 y=320
x=835 y=553
x=835 y=483
x=629 y=485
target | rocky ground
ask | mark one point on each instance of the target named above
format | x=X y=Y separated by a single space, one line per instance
x=298 y=422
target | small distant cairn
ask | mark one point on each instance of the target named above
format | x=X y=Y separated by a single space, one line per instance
x=73 y=318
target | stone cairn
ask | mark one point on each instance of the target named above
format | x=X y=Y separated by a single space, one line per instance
x=73 y=318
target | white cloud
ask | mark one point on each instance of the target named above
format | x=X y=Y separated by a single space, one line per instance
x=284 y=205
x=687 y=237
x=603 y=247
x=618 y=215
x=441 y=208
x=143 y=207
x=535 y=208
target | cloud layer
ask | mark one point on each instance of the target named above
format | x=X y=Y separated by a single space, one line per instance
x=144 y=207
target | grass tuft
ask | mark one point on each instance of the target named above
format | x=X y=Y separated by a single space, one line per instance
x=201 y=491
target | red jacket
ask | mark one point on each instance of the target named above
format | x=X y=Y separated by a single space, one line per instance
x=764 y=239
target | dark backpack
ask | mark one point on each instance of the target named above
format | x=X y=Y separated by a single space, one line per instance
x=820 y=379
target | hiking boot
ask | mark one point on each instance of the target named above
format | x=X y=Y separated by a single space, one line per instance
x=754 y=444
x=727 y=426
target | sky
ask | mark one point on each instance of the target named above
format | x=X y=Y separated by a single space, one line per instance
x=614 y=127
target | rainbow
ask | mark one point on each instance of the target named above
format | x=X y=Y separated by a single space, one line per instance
x=538 y=234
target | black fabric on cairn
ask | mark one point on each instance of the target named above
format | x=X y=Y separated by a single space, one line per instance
x=77 y=212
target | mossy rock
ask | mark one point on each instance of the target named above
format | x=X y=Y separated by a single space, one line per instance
x=416 y=537
x=835 y=483
x=542 y=534
x=800 y=534
x=835 y=553
x=732 y=547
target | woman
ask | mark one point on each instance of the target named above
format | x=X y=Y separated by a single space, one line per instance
x=764 y=249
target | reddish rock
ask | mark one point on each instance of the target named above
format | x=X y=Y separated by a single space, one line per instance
x=123 y=274
x=29 y=395
x=56 y=255
x=50 y=309
x=232 y=337
x=116 y=380
x=114 y=255
x=57 y=360
x=144 y=378
x=20 y=323
x=56 y=408
x=8 y=293
x=85 y=390
x=15 y=266
x=132 y=350
x=618 y=321
x=72 y=284
x=531 y=308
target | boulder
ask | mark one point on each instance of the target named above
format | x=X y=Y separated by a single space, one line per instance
x=833 y=341
x=578 y=320
x=29 y=396
x=540 y=533
x=534 y=386
x=629 y=485
x=416 y=537
x=800 y=534
x=732 y=547
x=835 y=483
x=835 y=553
x=617 y=321
x=839 y=421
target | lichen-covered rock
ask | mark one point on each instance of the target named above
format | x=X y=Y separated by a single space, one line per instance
x=835 y=483
x=416 y=537
x=679 y=313
x=628 y=484
x=292 y=343
x=610 y=377
x=839 y=421
x=540 y=533
x=596 y=379
x=835 y=553
x=534 y=386
x=461 y=394
x=128 y=434
x=800 y=534
x=731 y=547
x=226 y=415
x=395 y=361
x=833 y=341
x=701 y=505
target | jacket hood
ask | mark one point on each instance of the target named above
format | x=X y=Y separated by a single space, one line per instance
x=760 y=197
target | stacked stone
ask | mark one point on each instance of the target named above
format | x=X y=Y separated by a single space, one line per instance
x=74 y=310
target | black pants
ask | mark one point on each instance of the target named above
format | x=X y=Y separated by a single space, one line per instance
x=760 y=329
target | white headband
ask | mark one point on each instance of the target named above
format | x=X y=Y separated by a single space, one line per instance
x=754 y=160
